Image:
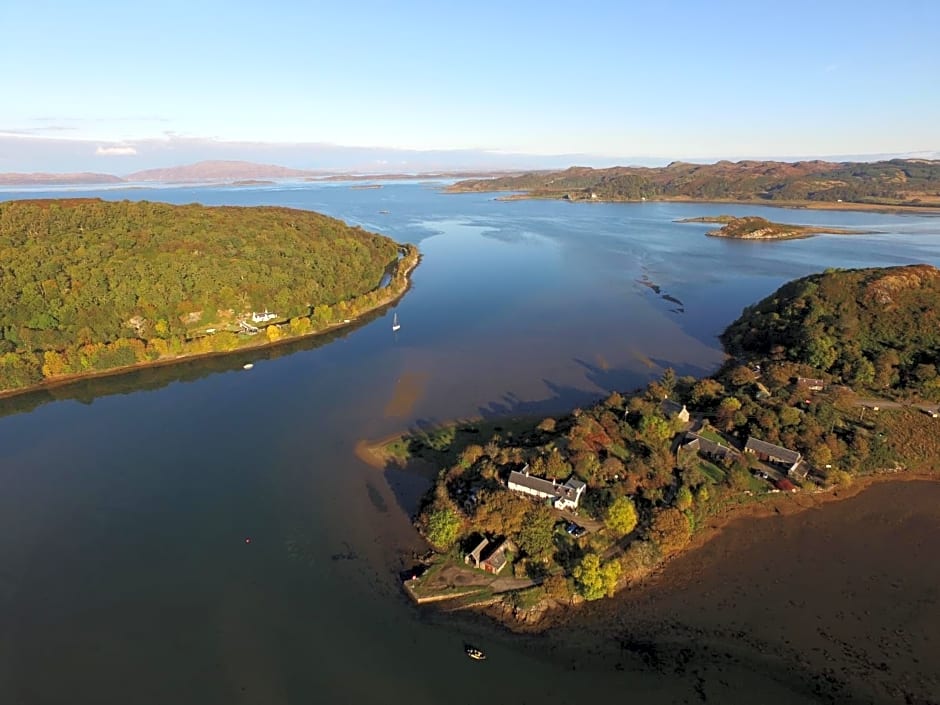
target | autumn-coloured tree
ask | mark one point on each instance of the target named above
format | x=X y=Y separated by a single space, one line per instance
x=670 y=530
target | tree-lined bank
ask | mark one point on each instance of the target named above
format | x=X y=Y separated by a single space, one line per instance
x=88 y=286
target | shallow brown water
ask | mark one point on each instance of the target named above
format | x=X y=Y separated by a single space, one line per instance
x=842 y=600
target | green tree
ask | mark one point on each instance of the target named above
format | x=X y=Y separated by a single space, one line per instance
x=706 y=391
x=595 y=580
x=621 y=516
x=683 y=498
x=556 y=467
x=789 y=416
x=726 y=412
x=535 y=536
x=668 y=381
x=443 y=528
x=655 y=430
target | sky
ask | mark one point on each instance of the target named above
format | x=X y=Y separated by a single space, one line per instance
x=116 y=86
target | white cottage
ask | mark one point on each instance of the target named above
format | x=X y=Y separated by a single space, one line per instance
x=563 y=496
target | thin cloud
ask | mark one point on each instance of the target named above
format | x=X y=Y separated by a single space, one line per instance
x=115 y=151
x=38 y=131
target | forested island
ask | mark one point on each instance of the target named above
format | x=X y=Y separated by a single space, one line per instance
x=907 y=183
x=756 y=228
x=88 y=285
x=832 y=381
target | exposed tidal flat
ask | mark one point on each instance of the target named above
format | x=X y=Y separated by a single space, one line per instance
x=127 y=503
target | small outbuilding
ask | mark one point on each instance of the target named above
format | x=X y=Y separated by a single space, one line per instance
x=496 y=561
x=811 y=383
x=474 y=555
x=674 y=410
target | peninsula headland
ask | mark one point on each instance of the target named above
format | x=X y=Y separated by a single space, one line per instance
x=824 y=390
x=90 y=286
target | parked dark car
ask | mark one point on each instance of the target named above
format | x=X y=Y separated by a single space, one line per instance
x=575 y=530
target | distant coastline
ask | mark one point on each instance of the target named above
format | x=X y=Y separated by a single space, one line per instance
x=890 y=185
x=793 y=205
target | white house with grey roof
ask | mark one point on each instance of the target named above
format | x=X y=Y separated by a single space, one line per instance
x=563 y=496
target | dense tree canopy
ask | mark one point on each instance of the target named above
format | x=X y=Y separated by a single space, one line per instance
x=88 y=284
x=596 y=579
x=872 y=328
x=621 y=516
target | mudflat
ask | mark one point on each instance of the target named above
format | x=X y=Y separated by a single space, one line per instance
x=840 y=602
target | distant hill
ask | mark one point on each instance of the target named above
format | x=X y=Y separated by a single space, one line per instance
x=877 y=329
x=909 y=182
x=40 y=179
x=220 y=170
x=223 y=171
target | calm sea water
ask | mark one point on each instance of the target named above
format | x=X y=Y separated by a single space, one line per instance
x=125 y=576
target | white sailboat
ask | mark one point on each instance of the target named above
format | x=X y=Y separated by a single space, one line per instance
x=395 y=324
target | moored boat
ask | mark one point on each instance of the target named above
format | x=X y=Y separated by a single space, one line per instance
x=475 y=653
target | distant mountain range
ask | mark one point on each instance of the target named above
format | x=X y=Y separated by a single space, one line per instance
x=220 y=170
x=201 y=171
x=40 y=179
x=213 y=171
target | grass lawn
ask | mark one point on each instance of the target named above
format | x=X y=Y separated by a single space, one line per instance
x=712 y=471
x=912 y=437
x=712 y=435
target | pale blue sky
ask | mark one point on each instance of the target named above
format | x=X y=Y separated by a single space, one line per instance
x=613 y=79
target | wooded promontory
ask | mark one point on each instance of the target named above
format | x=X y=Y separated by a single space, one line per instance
x=87 y=285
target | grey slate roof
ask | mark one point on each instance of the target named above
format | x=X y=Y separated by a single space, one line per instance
x=569 y=490
x=574 y=483
x=670 y=407
x=704 y=445
x=497 y=559
x=775 y=451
